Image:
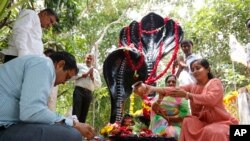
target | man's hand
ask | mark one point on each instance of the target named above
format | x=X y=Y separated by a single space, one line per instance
x=85 y=129
x=182 y=65
x=89 y=73
x=91 y=70
x=85 y=75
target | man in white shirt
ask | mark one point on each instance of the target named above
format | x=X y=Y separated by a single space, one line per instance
x=184 y=77
x=87 y=79
x=26 y=38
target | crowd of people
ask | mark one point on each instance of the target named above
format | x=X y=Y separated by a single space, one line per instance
x=189 y=107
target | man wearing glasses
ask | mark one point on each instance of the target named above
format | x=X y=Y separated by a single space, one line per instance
x=24 y=114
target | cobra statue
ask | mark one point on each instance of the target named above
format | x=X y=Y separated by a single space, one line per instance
x=141 y=46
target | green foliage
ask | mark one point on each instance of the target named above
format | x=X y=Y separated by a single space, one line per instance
x=231 y=79
x=3 y=6
x=8 y=12
x=64 y=98
x=219 y=18
x=68 y=10
x=100 y=104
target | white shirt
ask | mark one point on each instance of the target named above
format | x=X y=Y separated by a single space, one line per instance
x=87 y=82
x=185 y=78
x=27 y=35
x=190 y=59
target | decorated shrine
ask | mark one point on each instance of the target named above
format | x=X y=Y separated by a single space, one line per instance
x=142 y=45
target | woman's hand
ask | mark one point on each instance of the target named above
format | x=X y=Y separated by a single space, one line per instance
x=178 y=92
x=156 y=108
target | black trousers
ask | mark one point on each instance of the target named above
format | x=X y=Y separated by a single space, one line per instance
x=39 y=132
x=8 y=58
x=81 y=102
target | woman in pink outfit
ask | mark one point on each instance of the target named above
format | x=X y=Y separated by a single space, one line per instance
x=209 y=120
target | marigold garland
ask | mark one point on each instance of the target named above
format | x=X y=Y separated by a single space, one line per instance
x=146 y=107
x=132 y=103
x=230 y=102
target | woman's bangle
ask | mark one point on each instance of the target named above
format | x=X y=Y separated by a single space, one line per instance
x=187 y=95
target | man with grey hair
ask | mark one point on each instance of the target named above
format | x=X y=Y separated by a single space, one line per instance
x=86 y=81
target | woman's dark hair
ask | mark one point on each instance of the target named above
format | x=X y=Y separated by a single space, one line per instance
x=70 y=61
x=205 y=64
x=171 y=75
x=184 y=42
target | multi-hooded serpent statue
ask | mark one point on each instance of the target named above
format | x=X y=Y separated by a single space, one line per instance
x=141 y=47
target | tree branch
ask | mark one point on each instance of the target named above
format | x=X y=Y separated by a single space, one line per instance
x=62 y=93
x=95 y=46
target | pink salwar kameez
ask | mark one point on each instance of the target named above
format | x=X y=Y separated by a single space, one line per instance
x=209 y=120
